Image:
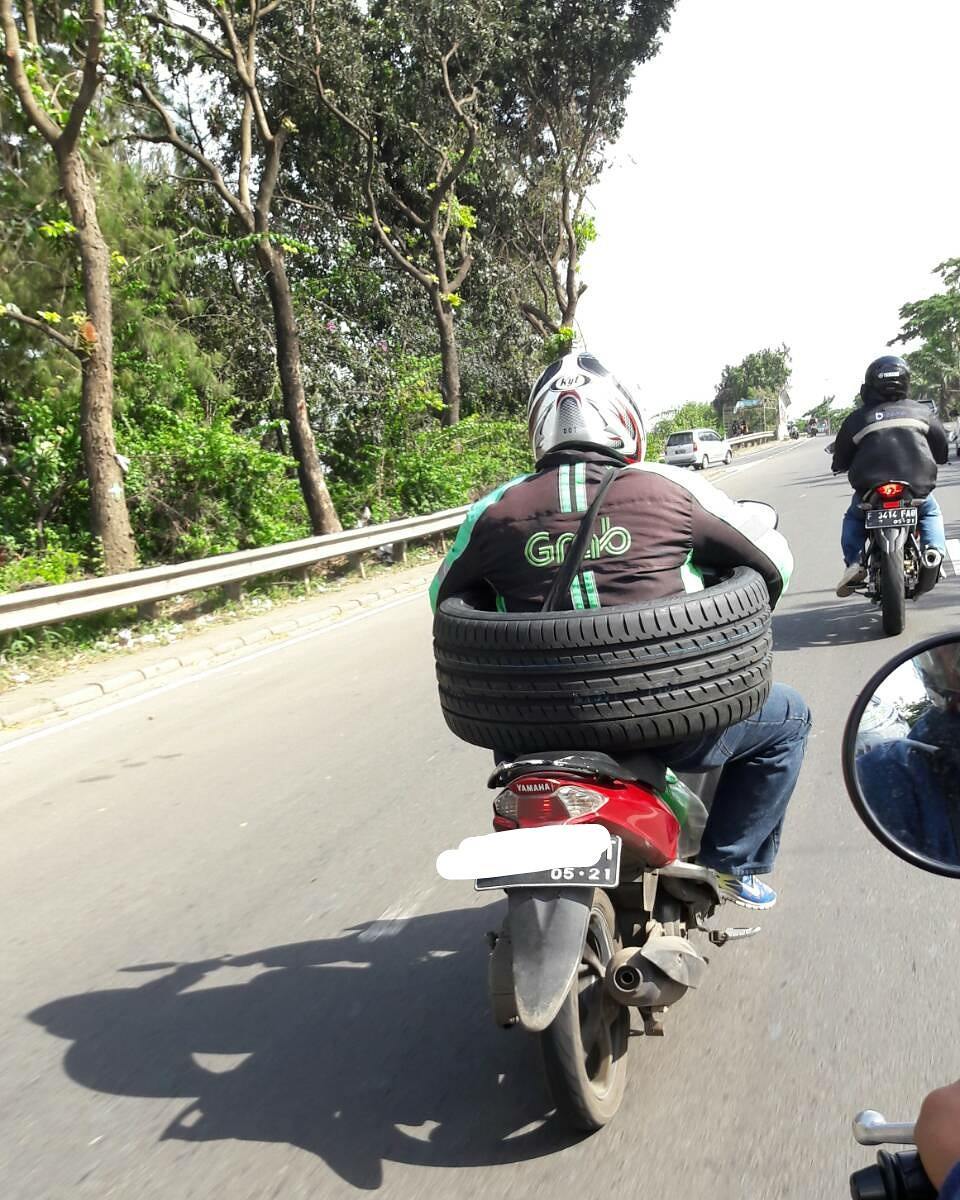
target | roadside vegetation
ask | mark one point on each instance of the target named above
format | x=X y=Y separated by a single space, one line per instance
x=271 y=268
x=277 y=268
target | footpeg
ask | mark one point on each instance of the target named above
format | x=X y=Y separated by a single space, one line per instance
x=720 y=937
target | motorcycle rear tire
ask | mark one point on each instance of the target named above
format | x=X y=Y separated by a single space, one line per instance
x=587 y=1082
x=893 y=593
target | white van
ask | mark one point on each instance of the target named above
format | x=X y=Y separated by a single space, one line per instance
x=697 y=448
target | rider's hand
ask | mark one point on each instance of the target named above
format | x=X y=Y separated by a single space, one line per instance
x=938 y=1132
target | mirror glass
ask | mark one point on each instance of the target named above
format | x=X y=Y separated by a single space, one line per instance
x=902 y=756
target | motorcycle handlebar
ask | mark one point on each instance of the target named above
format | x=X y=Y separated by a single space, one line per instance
x=893 y=1177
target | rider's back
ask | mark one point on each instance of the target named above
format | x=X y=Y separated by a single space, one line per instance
x=895 y=440
x=658 y=526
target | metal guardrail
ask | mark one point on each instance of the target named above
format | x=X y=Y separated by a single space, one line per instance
x=768 y=436
x=63 y=602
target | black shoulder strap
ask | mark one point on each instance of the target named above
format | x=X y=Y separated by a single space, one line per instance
x=578 y=547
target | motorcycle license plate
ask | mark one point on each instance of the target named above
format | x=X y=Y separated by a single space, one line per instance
x=891 y=518
x=605 y=873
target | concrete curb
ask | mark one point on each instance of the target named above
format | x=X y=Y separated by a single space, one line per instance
x=115 y=683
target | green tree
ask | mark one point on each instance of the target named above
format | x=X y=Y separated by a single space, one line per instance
x=240 y=131
x=563 y=83
x=195 y=484
x=405 y=85
x=762 y=375
x=935 y=324
x=55 y=75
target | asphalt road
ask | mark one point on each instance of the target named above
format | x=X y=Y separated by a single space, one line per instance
x=228 y=968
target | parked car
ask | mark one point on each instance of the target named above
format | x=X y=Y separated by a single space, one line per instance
x=697 y=448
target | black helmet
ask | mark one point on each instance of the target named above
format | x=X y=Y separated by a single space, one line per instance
x=887 y=378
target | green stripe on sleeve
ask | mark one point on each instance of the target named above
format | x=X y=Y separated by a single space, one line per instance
x=692 y=576
x=576 y=595
x=465 y=532
x=590 y=584
x=566 y=495
x=580 y=483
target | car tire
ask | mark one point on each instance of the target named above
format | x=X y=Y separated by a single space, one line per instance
x=728 y=458
x=632 y=676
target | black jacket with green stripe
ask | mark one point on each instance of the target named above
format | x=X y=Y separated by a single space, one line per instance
x=657 y=528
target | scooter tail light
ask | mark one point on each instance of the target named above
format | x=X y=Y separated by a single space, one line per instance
x=541 y=807
x=891 y=504
x=890 y=489
x=580 y=801
x=506 y=805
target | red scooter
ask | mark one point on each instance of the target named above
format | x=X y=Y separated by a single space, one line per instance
x=601 y=905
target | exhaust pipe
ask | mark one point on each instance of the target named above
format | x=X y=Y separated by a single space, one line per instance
x=930 y=563
x=633 y=980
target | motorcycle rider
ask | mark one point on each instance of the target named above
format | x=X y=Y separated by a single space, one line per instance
x=888 y=439
x=659 y=528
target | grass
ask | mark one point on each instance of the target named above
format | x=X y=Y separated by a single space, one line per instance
x=33 y=655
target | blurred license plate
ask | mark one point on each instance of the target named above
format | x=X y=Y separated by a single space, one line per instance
x=884 y=518
x=605 y=873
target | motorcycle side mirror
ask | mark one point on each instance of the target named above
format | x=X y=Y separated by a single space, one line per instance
x=901 y=755
x=758 y=510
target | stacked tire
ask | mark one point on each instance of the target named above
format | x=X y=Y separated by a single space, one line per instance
x=631 y=677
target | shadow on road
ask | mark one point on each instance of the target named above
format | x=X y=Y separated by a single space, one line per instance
x=817 y=481
x=841 y=623
x=844 y=622
x=357 y=1049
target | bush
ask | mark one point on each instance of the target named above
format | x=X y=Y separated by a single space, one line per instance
x=43 y=494
x=449 y=467
x=54 y=564
x=391 y=455
x=197 y=488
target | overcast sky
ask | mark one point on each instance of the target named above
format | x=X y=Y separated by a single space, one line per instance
x=788 y=173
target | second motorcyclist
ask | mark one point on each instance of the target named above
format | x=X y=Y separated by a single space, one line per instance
x=888 y=439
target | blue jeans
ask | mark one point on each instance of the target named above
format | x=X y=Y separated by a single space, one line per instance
x=853 y=534
x=761 y=759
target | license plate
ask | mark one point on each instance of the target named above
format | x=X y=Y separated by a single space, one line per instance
x=886 y=518
x=605 y=872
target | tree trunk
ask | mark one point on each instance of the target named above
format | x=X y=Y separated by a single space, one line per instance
x=570 y=309
x=323 y=516
x=449 y=362
x=109 y=518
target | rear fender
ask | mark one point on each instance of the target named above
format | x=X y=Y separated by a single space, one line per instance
x=889 y=541
x=548 y=929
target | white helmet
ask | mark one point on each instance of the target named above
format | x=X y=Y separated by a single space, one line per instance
x=576 y=399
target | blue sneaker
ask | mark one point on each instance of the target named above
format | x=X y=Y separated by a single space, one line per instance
x=746 y=890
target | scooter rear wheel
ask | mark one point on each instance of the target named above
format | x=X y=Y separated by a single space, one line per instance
x=585 y=1046
x=893 y=593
